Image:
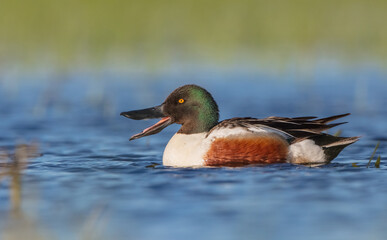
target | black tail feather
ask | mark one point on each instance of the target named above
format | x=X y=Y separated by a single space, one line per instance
x=331 y=118
x=333 y=145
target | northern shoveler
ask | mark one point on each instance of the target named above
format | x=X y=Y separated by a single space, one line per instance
x=203 y=141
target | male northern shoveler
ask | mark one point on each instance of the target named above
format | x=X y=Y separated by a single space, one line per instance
x=203 y=141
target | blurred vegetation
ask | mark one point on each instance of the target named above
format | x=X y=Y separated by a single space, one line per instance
x=12 y=164
x=19 y=224
x=74 y=31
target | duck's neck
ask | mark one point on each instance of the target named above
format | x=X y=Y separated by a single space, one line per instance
x=192 y=127
x=203 y=121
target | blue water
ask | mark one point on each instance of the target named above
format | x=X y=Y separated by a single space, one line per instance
x=91 y=180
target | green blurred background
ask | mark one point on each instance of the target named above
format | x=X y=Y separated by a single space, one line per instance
x=156 y=32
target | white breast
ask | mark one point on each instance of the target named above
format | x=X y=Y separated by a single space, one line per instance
x=185 y=150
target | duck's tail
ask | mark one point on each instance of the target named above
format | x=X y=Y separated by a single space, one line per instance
x=333 y=145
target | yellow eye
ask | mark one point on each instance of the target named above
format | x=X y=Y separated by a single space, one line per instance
x=181 y=100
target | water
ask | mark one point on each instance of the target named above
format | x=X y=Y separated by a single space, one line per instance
x=91 y=182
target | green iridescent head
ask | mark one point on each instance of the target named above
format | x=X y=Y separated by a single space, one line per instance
x=193 y=107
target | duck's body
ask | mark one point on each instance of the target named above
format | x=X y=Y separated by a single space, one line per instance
x=202 y=141
x=243 y=141
x=220 y=149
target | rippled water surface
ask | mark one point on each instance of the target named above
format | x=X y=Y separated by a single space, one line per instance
x=92 y=182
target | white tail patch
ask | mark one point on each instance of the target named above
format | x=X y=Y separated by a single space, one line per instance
x=306 y=152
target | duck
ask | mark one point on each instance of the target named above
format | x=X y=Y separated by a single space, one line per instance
x=203 y=141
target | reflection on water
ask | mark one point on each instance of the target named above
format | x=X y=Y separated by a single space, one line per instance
x=19 y=225
x=91 y=182
x=11 y=165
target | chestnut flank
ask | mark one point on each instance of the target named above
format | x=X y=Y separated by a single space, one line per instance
x=251 y=150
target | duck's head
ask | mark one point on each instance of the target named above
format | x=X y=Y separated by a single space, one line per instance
x=190 y=105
